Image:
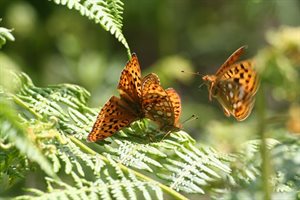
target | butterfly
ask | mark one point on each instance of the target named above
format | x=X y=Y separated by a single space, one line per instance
x=139 y=98
x=234 y=86
x=161 y=106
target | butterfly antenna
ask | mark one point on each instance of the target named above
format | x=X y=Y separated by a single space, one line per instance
x=193 y=73
x=193 y=117
x=197 y=74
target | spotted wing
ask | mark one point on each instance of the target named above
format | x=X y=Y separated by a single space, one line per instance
x=231 y=60
x=156 y=102
x=176 y=103
x=112 y=117
x=130 y=81
x=243 y=74
x=236 y=88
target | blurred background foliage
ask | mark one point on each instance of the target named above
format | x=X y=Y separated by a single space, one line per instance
x=56 y=45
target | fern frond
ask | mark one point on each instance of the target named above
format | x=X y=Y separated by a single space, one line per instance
x=16 y=134
x=191 y=170
x=108 y=188
x=184 y=166
x=107 y=13
x=177 y=162
x=135 y=155
x=5 y=34
x=246 y=168
x=288 y=151
x=249 y=156
x=173 y=164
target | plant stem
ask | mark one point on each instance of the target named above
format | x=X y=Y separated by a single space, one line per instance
x=21 y=103
x=165 y=188
x=265 y=155
x=129 y=53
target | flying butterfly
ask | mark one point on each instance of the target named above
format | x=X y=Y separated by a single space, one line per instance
x=234 y=86
x=139 y=98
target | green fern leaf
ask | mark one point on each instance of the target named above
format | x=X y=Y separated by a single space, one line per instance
x=176 y=161
x=5 y=34
x=14 y=132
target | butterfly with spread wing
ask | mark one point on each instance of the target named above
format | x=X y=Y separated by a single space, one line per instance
x=139 y=98
x=234 y=86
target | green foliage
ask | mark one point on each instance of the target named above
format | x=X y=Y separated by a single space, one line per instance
x=107 y=13
x=246 y=169
x=5 y=34
x=249 y=156
x=121 y=187
x=134 y=163
x=58 y=115
x=43 y=130
x=279 y=64
x=14 y=135
x=18 y=138
x=287 y=152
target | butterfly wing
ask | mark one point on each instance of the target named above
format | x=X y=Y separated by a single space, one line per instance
x=130 y=81
x=231 y=60
x=176 y=103
x=150 y=79
x=156 y=102
x=243 y=74
x=236 y=88
x=112 y=117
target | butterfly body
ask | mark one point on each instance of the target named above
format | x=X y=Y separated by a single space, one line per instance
x=139 y=98
x=234 y=86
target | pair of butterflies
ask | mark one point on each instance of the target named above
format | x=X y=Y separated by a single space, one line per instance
x=234 y=86
x=139 y=98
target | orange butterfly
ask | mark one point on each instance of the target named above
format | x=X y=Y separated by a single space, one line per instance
x=234 y=86
x=161 y=106
x=139 y=98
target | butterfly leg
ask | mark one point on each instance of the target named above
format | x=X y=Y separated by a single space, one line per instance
x=167 y=134
x=226 y=112
x=210 y=92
